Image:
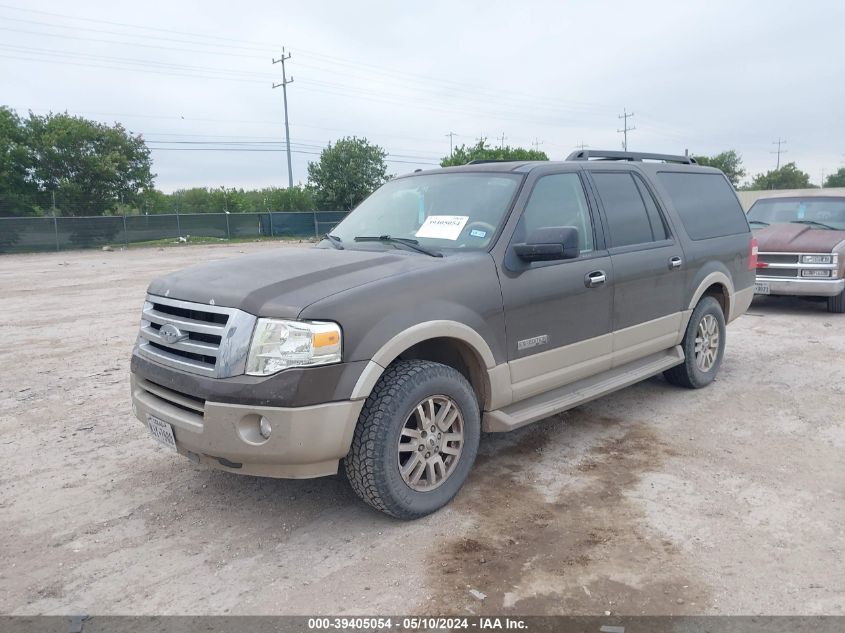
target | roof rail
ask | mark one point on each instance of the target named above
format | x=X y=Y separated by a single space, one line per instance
x=587 y=154
x=481 y=161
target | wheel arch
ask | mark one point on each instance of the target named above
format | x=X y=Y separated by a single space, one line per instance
x=447 y=342
x=718 y=285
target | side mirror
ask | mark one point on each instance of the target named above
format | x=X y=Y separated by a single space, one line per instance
x=549 y=244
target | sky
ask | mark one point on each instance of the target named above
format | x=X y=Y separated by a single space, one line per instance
x=195 y=78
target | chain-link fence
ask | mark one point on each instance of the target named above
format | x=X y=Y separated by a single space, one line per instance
x=22 y=235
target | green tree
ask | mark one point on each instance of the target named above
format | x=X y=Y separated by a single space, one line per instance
x=836 y=179
x=91 y=166
x=787 y=177
x=463 y=154
x=346 y=173
x=17 y=191
x=278 y=199
x=729 y=162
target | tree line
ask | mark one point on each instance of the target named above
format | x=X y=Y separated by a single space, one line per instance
x=72 y=166
x=69 y=165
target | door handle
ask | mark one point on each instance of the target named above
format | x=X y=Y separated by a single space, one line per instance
x=675 y=262
x=595 y=278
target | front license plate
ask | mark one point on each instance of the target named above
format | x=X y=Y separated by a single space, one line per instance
x=762 y=288
x=161 y=431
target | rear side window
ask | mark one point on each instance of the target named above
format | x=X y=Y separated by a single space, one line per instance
x=629 y=219
x=706 y=204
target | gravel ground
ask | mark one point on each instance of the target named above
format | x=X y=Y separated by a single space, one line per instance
x=653 y=500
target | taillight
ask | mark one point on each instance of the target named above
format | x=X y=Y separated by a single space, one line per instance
x=752 y=254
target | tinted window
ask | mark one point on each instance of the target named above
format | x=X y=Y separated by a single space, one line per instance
x=658 y=225
x=706 y=203
x=558 y=200
x=627 y=218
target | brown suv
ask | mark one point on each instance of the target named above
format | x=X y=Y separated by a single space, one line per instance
x=482 y=297
x=801 y=241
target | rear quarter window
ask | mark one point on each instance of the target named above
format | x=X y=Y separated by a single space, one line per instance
x=706 y=204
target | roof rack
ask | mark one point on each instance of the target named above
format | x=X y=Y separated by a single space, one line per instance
x=587 y=154
x=481 y=161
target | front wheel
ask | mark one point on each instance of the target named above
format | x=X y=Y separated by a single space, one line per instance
x=416 y=439
x=703 y=345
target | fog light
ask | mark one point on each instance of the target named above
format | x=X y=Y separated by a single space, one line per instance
x=265 y=428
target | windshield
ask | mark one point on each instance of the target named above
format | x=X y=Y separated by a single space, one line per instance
x=451 y=210
x=813 y=212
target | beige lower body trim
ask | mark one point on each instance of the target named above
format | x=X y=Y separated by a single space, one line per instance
x=541 y=372
x=555 y=368
x=543 y=405
x=740 y=303
x=304 y=442
x=646 y=338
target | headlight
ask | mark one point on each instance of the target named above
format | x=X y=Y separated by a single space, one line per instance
x=278 y=344
x=817 y=259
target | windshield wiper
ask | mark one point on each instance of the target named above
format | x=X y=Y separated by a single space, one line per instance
x=334 y=241
x=404 y=241
x=814 y=223
x=758 y=222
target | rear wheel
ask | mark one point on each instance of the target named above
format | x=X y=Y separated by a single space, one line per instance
x=836 y=304
x=416 y=439
x=703 y=345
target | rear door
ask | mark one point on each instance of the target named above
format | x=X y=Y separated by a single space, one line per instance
x=557 y=319
x=648 y=288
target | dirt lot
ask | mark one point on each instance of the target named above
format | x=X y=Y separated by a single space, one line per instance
x=654 y=500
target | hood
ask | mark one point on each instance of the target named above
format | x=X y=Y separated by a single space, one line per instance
x=281 y=283
x=797 y=238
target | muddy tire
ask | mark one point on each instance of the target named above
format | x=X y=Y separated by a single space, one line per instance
x=416 y=439
x=836 y=304
x=703 y=345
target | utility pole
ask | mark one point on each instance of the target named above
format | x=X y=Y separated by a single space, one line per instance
x=625 y=129
x=450 y=135
x=537 y=143
x=502 y=145
x=582 y=145
x=284 y=85
x=779 y=151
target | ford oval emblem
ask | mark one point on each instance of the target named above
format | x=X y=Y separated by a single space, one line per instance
x=172 y=334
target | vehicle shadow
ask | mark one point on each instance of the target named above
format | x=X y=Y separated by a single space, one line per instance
x=775 y=304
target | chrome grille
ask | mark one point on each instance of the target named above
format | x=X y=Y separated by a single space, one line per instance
x=789 y=265
x=778 y=258
x=195 y=337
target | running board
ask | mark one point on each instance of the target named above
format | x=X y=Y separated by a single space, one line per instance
x=543 y=405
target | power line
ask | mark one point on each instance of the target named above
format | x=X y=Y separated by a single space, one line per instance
x=284 y=86
x=255 y=149
x=780 y=142
x=625 y=129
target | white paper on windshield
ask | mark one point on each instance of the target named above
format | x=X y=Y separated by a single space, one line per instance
x=442 y=227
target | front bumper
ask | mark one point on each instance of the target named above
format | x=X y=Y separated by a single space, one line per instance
x=305 y=441
x=803 y=287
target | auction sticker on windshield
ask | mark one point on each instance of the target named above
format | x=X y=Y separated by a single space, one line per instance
x=442 y=227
